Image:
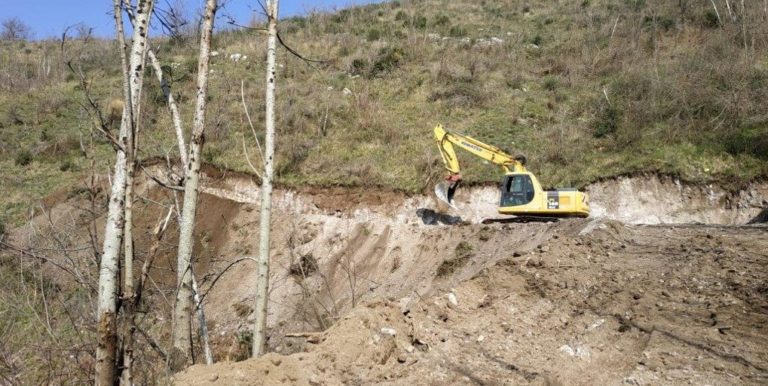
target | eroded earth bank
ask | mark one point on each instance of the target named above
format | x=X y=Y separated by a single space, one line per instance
x=665 y=284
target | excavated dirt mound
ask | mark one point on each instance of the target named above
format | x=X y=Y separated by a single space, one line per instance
x=592 y=303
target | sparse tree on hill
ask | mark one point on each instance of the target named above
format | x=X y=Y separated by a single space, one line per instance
x=14 y=29
x=182 y=344
x=262 y=277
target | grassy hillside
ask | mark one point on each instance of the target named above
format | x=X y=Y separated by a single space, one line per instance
x=585 y=90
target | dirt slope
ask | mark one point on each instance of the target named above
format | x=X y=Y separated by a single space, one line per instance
x=590 y=301
x=595 y=303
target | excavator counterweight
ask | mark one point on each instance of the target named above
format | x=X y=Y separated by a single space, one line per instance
x=521 y=193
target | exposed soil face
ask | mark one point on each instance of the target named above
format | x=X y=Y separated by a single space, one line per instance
x=578 y=301
x=383 y=291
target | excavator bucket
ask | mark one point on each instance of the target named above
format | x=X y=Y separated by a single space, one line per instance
x=444 y=192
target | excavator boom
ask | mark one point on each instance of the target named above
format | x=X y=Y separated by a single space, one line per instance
x=446 y=139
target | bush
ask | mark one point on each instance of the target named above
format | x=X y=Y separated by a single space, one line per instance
x=441 y=20
x=457 y=32
x=550 y=83
x=460 y=94
x=358 y=66
x=536 y=40
x=419 y=22
x=373 y=35
x=751 y=141
x=607 y=121
x=66 y=165
x=711 y=20
x=388 y=59
x=401 y=16
x=23 y=158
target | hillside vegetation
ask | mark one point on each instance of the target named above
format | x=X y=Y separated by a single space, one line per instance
x=586 y=90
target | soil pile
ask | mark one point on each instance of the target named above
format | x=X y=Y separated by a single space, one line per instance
x=592 y=303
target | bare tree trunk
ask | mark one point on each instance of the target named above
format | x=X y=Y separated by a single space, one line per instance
x=262 y=284
x=126 y=377
x=203 y=325
x=730 y=13
x=182 y=343
x=719 y=21
x=113 y=233
x=171 y=105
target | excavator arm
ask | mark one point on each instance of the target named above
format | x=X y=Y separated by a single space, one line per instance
x=446 y=141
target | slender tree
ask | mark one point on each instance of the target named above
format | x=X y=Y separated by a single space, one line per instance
x=113 y=232
x=182 y=342
x=262 y=277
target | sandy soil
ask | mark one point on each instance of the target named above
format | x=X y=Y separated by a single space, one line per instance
x=381 y=291
x=594 y=303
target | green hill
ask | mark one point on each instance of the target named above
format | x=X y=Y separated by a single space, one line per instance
x=586 y=90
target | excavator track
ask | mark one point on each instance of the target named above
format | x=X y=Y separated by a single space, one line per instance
x=521 y=220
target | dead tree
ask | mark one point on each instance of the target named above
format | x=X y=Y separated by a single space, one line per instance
x=262 y=278
x=182 y=343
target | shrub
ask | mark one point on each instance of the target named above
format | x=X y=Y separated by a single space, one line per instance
x=751 y=141
x=401 y=15
x=358 y=66
x=607 y=121
x=460 y=94
x=419 y=22
x=711 y=20
x=550 y=83
x=441 y=20
x=457 y=32
x=665 y=22
x=23 y=158
x=388 y=59
x=66 y=165
x=536 y=40
x=373 y=35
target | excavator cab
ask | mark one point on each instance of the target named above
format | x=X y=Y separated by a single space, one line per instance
x=516 y=189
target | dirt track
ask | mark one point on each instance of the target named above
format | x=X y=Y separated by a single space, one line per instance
x=595 y=303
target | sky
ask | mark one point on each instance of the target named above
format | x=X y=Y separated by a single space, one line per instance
x=49 y=18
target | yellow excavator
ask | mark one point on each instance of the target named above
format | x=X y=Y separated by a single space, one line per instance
x=521 y=193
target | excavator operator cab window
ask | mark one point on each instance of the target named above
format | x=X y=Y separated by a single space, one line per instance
x=516 y=189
